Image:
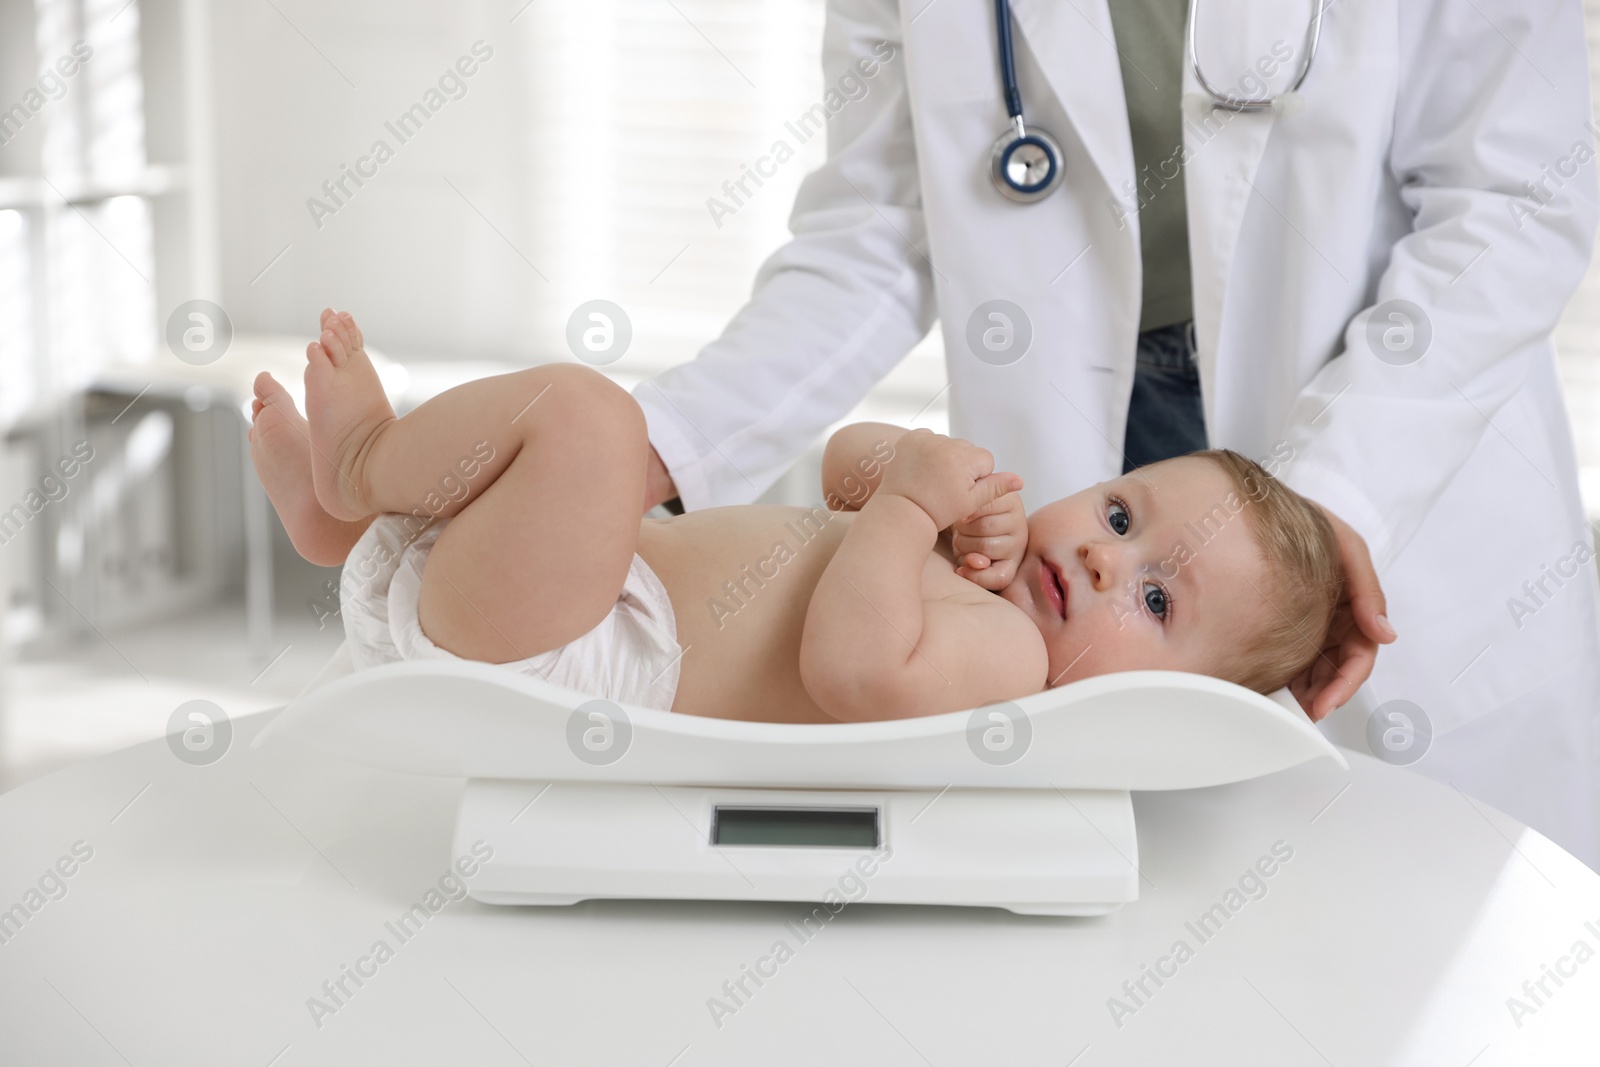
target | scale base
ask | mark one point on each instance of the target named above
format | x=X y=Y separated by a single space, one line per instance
x=1031 y=851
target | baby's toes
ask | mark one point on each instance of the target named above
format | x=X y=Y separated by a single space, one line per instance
x=353 y=335
x=344 y=327
x=334 y=345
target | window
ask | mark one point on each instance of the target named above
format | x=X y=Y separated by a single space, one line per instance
x=648 y=108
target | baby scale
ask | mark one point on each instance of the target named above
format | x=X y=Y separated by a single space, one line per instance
x=1024 y=805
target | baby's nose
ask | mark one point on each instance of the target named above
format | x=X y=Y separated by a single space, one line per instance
x=1103 y=563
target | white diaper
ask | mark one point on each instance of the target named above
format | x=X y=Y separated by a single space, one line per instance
x=632 y=656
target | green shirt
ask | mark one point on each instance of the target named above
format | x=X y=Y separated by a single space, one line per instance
x=1149 y=37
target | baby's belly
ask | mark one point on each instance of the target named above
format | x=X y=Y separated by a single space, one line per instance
x=740 y=580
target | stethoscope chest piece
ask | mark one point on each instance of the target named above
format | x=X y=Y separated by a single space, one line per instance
x=1025 y=165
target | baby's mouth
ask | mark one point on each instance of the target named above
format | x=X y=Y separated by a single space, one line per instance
x=1055 y=591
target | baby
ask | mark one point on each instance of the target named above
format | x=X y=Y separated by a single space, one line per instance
x=501 y=521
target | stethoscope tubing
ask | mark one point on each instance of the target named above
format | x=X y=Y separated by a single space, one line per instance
x=1044 y=142
x=1008 y=66
x=1228 y=102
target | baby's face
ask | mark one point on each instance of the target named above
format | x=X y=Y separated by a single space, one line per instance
x=1159 y=570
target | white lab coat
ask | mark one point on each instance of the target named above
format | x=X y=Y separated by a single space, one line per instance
x=1401 y=175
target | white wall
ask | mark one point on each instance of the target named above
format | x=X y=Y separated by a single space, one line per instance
x=420 y=270
x=574 y=96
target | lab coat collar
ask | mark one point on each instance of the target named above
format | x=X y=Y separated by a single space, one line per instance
x=1074 y=46
x=1219 y=183
x=1222 y=154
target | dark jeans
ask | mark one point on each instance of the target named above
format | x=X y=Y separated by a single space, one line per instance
x=1165 y=418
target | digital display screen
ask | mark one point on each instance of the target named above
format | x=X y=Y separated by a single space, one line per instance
x=796 y=827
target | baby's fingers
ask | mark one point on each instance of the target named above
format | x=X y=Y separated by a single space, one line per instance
x=991 y=548
x=993 y=577
x=1000 y=575
x=989 y=489
x=1000 y=505
x=995 y=524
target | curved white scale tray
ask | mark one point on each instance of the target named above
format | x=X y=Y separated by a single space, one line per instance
x=1133 y=730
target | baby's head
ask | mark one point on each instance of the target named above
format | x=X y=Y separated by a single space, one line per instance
x=1202 y=563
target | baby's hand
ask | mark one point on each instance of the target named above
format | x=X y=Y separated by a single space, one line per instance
x=989 y=543
x=947 y=477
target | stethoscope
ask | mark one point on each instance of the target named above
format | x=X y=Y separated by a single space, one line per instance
x=1025 y=165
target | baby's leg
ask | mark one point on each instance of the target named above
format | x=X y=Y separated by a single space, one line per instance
x=542 y=539
x=280 y=447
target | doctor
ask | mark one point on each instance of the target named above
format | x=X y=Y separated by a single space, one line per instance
x=1356 y=286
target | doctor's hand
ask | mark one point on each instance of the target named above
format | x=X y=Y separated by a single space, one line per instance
x=1359 y=626
x=989 y=543
x=658 y=484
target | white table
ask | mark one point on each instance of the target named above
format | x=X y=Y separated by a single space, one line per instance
x=218 y=899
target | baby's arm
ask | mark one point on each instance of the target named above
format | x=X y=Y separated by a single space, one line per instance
x=987 y=545
x=872 y=647
x=852 y=463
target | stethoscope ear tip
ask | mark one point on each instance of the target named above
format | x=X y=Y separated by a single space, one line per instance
x=1198 y=106
x=1289 y=104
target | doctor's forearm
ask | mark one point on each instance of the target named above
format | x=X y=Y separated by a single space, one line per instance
x=1480 y=281
x=730 y=422
x=832 y=311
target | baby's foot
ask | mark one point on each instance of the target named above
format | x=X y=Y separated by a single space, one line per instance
x=346 y=409
x=280 y=446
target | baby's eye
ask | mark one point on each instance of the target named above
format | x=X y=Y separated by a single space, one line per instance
x=1155 y=598
x=1117 y=515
